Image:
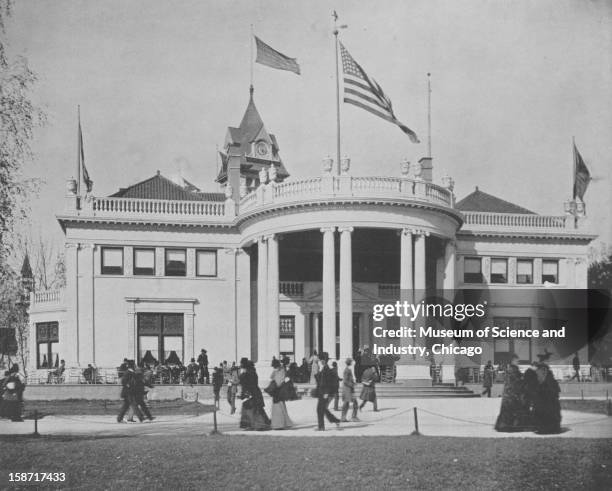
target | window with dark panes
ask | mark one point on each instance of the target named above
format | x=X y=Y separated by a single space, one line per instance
x=160 y=338
x=550 y=271
x=524 y=271
x=206 y=263
x=47 y=344
x=175 y=262
x=112 y=260
x=144 y=262
x=499 y=270
x=504 y=348
x=472 y=270
x=287 y=335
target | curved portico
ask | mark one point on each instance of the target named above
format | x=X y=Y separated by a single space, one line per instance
x=329 y=212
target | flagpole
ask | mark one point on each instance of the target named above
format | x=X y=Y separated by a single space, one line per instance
x=335 y=31
x=78 y=162
x=251 y=56
x=573 y=179
x=429 y=114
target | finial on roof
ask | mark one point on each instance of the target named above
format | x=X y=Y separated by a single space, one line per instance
x=158 y=173
x=251 y=90
x=476 y=188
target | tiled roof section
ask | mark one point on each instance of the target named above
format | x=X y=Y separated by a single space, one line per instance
x=480 y=201
x=160 y=187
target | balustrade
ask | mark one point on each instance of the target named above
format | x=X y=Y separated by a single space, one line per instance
x=515 y=220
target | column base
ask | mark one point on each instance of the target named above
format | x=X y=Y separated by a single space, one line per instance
x=414 y=374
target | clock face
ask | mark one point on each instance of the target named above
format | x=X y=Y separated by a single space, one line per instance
x=261 y=149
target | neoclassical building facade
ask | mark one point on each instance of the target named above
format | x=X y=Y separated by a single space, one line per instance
x=272 y=265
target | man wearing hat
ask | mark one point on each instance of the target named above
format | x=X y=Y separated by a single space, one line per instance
x=327 y=384
x=203 y=363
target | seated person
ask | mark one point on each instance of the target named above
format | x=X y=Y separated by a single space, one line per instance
x=55 y=376
x=88 y=374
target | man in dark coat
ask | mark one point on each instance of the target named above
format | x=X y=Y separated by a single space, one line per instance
x=140 y=390
x=128 y=394
x=203 y=363
x=487 y=379
x=327 y=386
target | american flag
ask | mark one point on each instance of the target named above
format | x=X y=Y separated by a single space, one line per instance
x=582 y=176
x=268 y=56
x=364 y=92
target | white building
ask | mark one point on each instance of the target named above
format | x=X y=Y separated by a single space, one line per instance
x=274 y=265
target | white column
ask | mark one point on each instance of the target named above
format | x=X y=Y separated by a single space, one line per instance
x=406 y=265
x=329 y=292
x=262 y=298
x=69 y=334
x=300 y=338
x=273 y=307
x=346 y=294
x=449 y=266
x=419 y=265
x=189 y=337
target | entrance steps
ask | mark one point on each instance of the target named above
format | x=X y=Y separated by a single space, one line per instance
x=401 y=390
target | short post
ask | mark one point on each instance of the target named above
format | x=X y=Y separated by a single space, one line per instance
x=36 y=434
x=416 y=422
x=609 y=407
x=215 y=431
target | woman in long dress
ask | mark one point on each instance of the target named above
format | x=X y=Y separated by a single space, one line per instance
x=512 y=406
x=546 y=406
x=368 y=391
x=253 y=415
x=280 y=416
x=314 y=367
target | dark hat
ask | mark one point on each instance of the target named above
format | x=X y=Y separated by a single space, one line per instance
x=244 y=362
x=324 y=356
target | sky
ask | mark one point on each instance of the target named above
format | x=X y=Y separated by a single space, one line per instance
x=159 y=82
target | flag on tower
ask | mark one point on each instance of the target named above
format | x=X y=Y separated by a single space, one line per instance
x=88 y=182
x=364 y=92
x=268 y=56
x=582 y=176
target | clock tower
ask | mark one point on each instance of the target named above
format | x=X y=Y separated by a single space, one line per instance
x=258 y=149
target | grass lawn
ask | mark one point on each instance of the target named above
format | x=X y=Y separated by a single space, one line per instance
x=586 y=406
x=200 y=461
x=100 y=407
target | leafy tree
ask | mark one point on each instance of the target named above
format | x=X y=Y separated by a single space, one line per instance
x=18 y=118
x=600 y=274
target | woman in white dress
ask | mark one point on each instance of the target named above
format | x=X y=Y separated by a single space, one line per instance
x=314 y=367
x=280 y=416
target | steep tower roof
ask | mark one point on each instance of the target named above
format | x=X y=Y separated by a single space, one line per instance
x=26 y=269
x=481 y=201
x=252 y=140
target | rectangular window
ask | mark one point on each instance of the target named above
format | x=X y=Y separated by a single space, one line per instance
x=112 y=260
x=524 y=271
x=175 y=262
x=47 y=344
x=206 y=263
x=504 y=348
x=160 y=338
x=287 y=336
x=499 y=270
x=472 y=270
x=550 y=271
x=144 y=262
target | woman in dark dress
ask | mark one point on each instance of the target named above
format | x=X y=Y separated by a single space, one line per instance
x=253 y=416
x=12 y=395
x=512 y=406
x=546 y=408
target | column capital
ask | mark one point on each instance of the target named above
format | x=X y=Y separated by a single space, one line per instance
x=262 y=239
x=345 y=229
x=451 y=243
x=420 y=232
x=328 y=229
x=405 y=231
x=270 y=237
x=72 y=245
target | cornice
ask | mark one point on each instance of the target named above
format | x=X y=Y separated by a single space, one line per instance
x=340 y=203
x=526 y=234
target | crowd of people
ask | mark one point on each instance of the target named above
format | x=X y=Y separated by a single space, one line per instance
x=530 y=400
